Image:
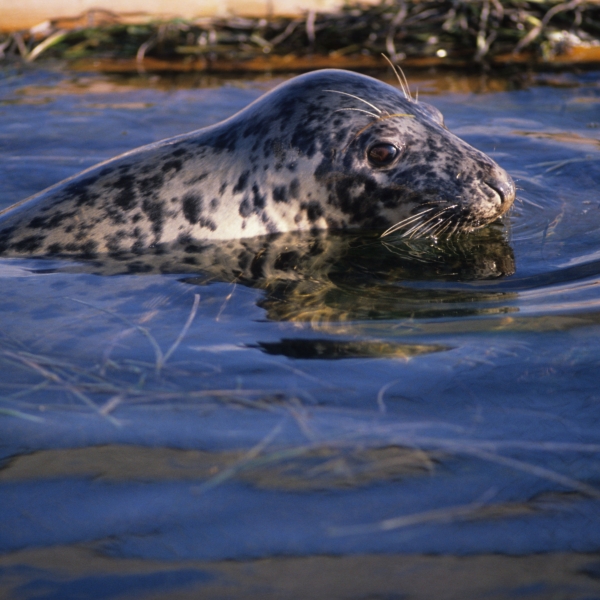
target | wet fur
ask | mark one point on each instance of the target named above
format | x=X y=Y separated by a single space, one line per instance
x=294 y=160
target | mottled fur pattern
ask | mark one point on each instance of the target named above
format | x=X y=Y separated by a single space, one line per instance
x=294 y=160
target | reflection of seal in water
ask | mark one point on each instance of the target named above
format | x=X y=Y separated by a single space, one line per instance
x=326 y=150
x=327 y=276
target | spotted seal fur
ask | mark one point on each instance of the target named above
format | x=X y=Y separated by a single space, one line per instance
x=329 y=149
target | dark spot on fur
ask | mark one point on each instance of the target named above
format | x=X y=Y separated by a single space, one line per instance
x=150 y=184
x=242 y=182
x=294 y=188
x=259 y=199
x=267 y=148
x=138 y=245
x=389 y=198
x=49 y=222
x=314 y=210
x=191 y=248
x=271 y=228
x=226 y=140
x=7 y=232
x=303 y=140
x=334 y=223
x=125 y=199
x=174 y=165
x=245 y=208
x=324 y=170
x=192 y=207
x=280 y=194
x=154 y=209
x=257 y=128
x=88 y=248
x=207 y=223
x=79 y=191
x=279 y=151
x=29 y=244
x=196 y=179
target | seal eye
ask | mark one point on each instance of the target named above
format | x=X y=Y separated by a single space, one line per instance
x=382 y=154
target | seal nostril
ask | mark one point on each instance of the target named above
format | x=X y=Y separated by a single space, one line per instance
x=504 y=188
x=498 y=191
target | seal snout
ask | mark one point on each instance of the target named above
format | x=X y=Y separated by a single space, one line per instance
x=503 y=185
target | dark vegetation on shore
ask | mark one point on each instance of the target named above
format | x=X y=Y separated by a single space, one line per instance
x=411 y=32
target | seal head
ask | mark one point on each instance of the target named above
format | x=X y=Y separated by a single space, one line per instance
x=327 y=150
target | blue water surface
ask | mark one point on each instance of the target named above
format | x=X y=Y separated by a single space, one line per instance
x=492 y=379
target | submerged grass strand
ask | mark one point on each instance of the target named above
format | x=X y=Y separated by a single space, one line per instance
x=229 y=472
x=437 y=515
x=160 y=357
x=55 y=378
x=143 y=330
x=11 y=412
x=540 y=472
x=183 y=332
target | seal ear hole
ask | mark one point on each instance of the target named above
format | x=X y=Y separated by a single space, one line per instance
x=382 y=154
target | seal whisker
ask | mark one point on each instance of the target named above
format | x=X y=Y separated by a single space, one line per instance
x=357 y=98
x=448 y=223
x=358 y=110
x=419 y=228
x=427 y=230
x=414 y=232
x=406 y=221
x=450 y=207
x=379 y=119
x=454 y=229
x=403 y=82
x=416 y=229
x=447 y=220
x=430 y=230
x=396 y=115
x=407 y=92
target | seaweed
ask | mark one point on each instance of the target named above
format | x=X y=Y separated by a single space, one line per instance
x=410 y=32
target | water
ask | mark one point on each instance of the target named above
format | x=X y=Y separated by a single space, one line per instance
x=424 y=413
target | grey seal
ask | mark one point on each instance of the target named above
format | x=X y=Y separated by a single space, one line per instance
x=330 y=149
